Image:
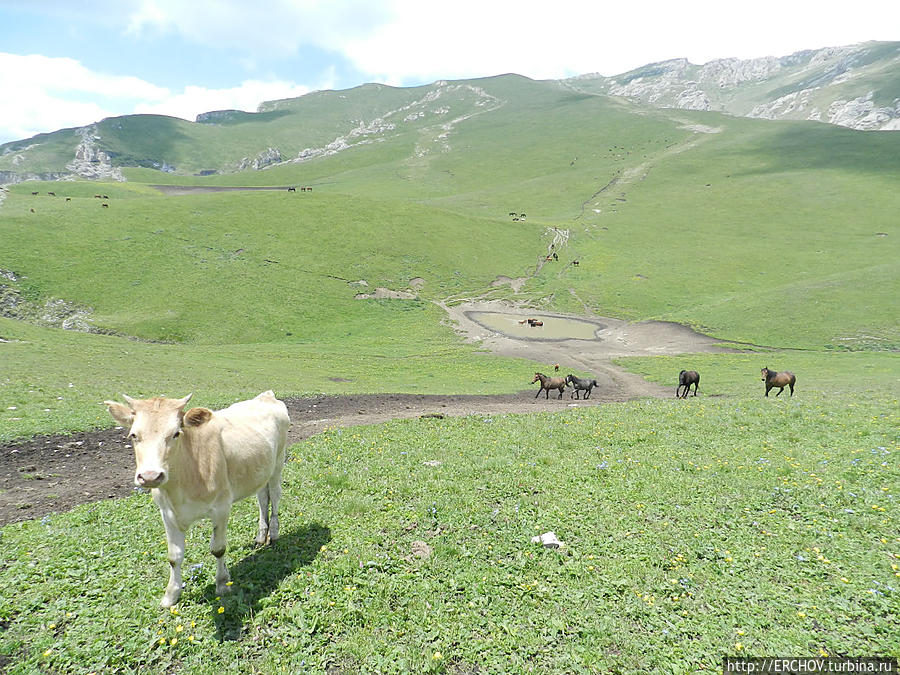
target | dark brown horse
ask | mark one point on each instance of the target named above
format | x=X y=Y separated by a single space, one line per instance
x=773 y=378
x=548 y=383
x=686 y=378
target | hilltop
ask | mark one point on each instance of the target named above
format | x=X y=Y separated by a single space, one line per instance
x=856 y=86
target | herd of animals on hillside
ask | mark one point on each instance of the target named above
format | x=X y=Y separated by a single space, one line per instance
x=686 y=379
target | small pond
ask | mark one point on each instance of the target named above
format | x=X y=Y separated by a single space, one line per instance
x=554 y=328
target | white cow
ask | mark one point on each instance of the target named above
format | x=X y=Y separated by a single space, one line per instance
x=199 y=462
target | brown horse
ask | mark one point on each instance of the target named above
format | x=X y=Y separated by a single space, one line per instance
x=686 y=378
x=548 y=383
x=773 y=378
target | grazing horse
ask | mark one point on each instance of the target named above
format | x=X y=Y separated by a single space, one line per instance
x=686 y=378
x=773 y=378
x=548 y=383
x=579 y=383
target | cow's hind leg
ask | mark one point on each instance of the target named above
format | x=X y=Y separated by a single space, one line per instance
x=274 y=489
x=263 y=497
x=217 y=545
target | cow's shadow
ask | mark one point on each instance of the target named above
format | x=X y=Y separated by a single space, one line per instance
x=257 y=575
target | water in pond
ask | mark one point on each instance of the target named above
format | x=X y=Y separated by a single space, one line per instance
x=554 y=328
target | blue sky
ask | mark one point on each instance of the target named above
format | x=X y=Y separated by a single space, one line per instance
x=67 y=63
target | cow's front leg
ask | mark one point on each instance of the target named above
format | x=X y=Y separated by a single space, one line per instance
x=175 y=542
x=217 y=545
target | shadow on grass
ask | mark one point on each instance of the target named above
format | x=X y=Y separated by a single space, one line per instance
x=259 y=574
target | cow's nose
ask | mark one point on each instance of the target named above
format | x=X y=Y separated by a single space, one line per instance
x=151 y=478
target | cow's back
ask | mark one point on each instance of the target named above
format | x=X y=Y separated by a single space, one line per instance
x=254 y=437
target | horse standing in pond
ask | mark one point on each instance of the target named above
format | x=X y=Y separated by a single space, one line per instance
x=773 y=378
x=548 y=383
x=686 y=378
x=579 y=384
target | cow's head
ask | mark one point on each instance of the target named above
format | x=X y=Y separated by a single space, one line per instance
x=155 y=426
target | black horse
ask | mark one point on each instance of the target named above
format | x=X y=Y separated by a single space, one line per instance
x=580 y=383
x=686 y=378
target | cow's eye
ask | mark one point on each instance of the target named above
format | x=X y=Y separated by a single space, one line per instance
x=132 y=436
x=177 y=434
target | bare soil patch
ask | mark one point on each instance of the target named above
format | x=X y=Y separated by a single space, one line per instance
x=199 y=189
x=47 y=474
x=613 y=339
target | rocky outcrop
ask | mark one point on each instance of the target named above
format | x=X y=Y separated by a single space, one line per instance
x=807 y=85
x=217 y=116
x=90 y=161
x=266 y=158
x=862 y=113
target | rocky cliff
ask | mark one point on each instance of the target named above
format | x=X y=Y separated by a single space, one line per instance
x=854 y=86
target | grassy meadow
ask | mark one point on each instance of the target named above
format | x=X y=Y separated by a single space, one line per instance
x=693 y=529
x=725 y=524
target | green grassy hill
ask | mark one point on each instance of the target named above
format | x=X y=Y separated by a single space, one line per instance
x=674 y=513
x=780 y=235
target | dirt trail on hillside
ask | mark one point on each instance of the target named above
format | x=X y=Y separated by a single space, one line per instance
x=47 y=474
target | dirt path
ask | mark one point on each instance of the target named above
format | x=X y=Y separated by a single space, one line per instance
x=47 y=474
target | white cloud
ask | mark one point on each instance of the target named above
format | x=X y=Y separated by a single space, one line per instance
x=195 y=100
x=274 y=28
x=471 y=38
x=44 y=94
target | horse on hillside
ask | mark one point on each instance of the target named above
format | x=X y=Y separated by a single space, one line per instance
x=773 y=378
x=579 y=383
x=548 y=383
x=686 y=378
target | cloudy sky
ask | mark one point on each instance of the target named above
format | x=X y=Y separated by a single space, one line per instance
x=66 y=63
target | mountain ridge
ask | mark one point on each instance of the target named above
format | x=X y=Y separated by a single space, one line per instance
x=856 y=86
x=835 y=85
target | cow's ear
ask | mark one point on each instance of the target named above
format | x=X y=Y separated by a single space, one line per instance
x=196 y=417
x=122 y=414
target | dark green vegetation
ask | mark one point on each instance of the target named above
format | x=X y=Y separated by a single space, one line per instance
x=692 y=527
